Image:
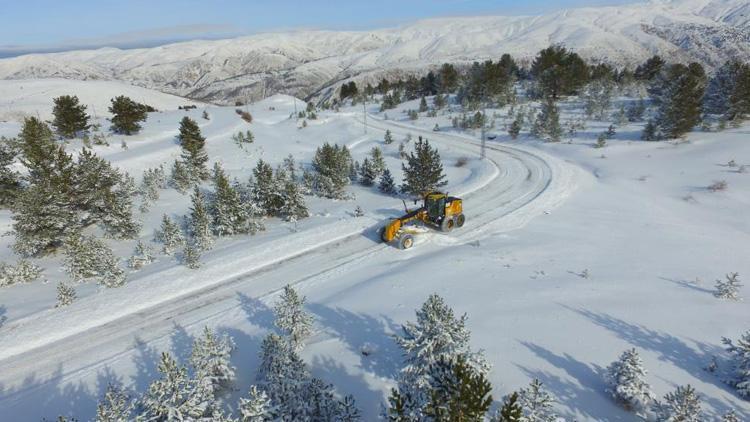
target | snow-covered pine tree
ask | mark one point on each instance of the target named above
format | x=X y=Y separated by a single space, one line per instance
x=127 y=115
x=265 y=190
x=387 y=185
x=191 y=256
x=210 y=360
x=510 y=411
x=283 y=375
x=230 y=215
x=388 y=139
x=739 y=100
x=180 y=178
x=257 y=407
x=720 y=88
x=729 y=288
x=422 y=105
x=170 y=235
x=193 y=149
x=537 y=403
x=69 y=116
x=294 y=207
x=457 y=392
x=730 y=416
x=635 y=110
x=142 y=255
x=597 y=98
x=437 y=334
x=115 y=406
x=65 y=295
x=649 y=132
x=549 y=120
x=678 y=93
x=199 y=222
x=740 y=357
x=626 y=383
x=681 y=405
x=10 y=184
x=89 y=257
x=332 y=164
x=423 y=171
x=376 y=160
x=117 y=218
x=21 y=273
x=348 y=411
x=515 y=128
x=174 y=396
x=153 y=180
x=367 y=173
x=292 y=319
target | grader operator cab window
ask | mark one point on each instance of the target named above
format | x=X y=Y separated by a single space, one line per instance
x=436 y=208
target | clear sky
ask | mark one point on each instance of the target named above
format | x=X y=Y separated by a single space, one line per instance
x=29 y=25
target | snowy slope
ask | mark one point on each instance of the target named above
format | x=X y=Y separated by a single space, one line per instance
x=33 y=97
x=308 y=62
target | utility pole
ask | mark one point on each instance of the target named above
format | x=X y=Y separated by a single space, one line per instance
x=482 y=153
x=364 y=112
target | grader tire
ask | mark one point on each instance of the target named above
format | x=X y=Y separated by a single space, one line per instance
x=406 y=241
x=381 y=234
x=447 y=225
x=460 y=220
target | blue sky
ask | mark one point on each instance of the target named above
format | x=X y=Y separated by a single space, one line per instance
x=28 y=25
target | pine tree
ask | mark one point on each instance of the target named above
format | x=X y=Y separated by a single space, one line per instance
x=210 y=360
x=678 y=93
x=511 y=410
x=423 y=171
x=730 y=416
x=681 y=405
x=199 y=222
x=180 y=178
x=142 y=255
x=283 y=376
x=230 y=215
x=387 y=185
x=22 y=273
x=437 y=334
x=89 y=257
x=115 y=406
x=170 y=235
x=332 y=163
x=65 y=295
x=422 y=105
x=649 y=132
x=457 y=392
x=367 y=174
x=39 y=151
x=549 y=121
x=738 y=108
x=70 y=116
x=515 y=128
x=257 y=407
x=117 y=211
x=193 y=149
x=174 y=396
x=625 y=381
x=388 y=139
x=294 y=207
x=740 y=353
x=536 y=403
x=291 y=318
x=558 y=72
x=597 y=98
x=266 y=191
x=635 y=110
x=191 y=256
x=127 y=115
x=10 y=185
x=730 y=288
x=377 y=161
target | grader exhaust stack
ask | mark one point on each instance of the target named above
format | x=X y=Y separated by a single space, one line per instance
x=439 y=211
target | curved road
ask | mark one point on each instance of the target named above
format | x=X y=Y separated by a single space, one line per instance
x=521 y=185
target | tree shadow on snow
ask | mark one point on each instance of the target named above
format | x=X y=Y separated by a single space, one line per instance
x=3 y=318
x=257 y=312
x=692 y=285
x=363 y=333
x=369 y=401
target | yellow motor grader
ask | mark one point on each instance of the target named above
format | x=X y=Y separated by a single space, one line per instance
x=439 y=211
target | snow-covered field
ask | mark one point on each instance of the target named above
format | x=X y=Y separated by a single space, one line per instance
x=637 y=216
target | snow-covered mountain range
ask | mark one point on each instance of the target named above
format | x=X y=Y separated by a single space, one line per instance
x=310 y=63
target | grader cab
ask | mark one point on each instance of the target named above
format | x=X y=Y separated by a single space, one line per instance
x=438 y=211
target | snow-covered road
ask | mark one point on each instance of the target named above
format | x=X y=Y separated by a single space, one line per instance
x=62 y=348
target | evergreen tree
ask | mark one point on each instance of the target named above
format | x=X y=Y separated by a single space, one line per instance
x=170 y=235
x=230 y=215
x=266 y=191
x=738 y=108
x=69 y=116
x=635 y=110
x=191 y=256
x=117 y=216
x=257 y=407
x=291 y=318
x=740 y=353
x=730 y=288
x=511 y=410
x=549 y=121
x=367 y=173
x=730 y=416
x=38 y=149
x=597 y=98
x=515 y=128
x=422 y=105
x=89 y=257
x=437 y=334
x=377 y=161
x=625 y=381
x=448 y=78
x=127 y=115
x=174 y=396
x=559 y=72
x=210 y=360
x=423 y=171
x=649 y=131
x=649 y=69
x=115 y=406
x=65 y=295
x=536 y=403
x=42 y=220
x=682 y=405
x=199 y=222
x=387 y=185
x=678 y=93
x=294 y=207
x=21 y=273
x=10 y=185
x=283 y=376
x=193 y=148
x=388 y=139
x=457 y=392
x=142 y=255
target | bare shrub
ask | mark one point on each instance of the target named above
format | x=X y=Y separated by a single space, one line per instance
x=462 y=161
x=718 y=186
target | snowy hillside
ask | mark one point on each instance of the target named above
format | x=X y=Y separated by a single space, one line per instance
x=304 y=63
